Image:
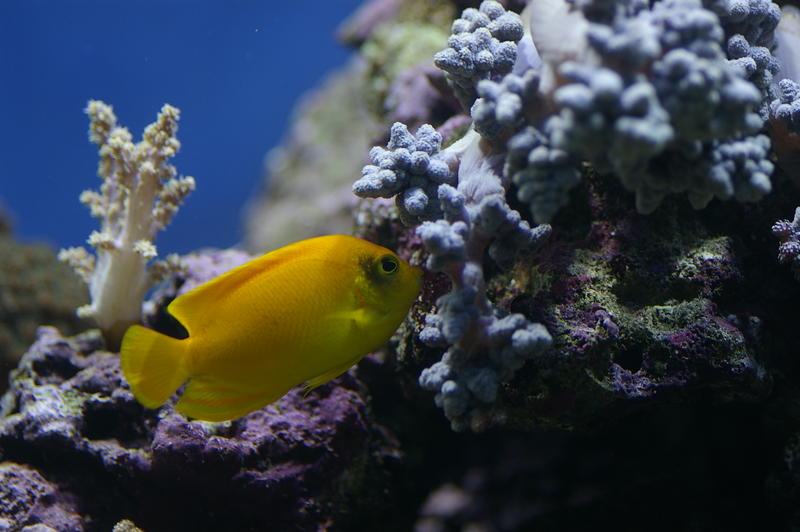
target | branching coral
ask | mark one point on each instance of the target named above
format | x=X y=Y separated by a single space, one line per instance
x=662 y=81
x=482 y=46
x=139 y=196
x=411 y=168
x=498 y=110
x=750 y=38
x=786 y=107
x=638 y=85
x=486 y=344
x=543 y=174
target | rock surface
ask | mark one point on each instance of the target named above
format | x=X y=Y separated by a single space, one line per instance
x=35 y=289
x=89 y=447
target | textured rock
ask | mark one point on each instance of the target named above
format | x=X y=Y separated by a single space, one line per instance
x=297 y=464
x=27 y=501
x=35 y=289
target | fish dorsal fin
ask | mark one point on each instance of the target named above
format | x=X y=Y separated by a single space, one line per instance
x=185 y=307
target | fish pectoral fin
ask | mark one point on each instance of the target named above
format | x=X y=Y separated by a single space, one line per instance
x=319 y=380
x=213 y=400
x=359 y=318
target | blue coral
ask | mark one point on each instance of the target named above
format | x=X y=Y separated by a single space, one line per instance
x=704 y=98
x=629 y=43
x=499 y=110
x=786 y=107
x=749 y=27
x=543 y=175
x=618 y=126
x=755 y=20
x=465 y=383
x=661 y=88
x=741 y=168
x=471 y=218
x=668 y=96
x=480 y=353
x=755 y=63
x=411 y=169
x=483 y=45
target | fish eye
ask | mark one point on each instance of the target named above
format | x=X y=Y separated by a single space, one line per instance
x=388 y=264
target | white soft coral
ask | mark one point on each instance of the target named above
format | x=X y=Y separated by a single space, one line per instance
x=139 y=196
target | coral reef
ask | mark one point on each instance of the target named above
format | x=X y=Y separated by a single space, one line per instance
x=488 y=345
x=602 y=358
x=661 y=89
x=140 y=195
x=667 y=98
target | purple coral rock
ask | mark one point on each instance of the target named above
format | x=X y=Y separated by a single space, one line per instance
x=20 y=488
x=27 y=499
x=69 y=411
x=631 y=384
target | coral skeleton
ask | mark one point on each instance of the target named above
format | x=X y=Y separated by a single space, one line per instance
x=140 y=195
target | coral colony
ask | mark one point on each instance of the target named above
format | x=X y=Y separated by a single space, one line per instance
x=670 y=97
x=139 y=196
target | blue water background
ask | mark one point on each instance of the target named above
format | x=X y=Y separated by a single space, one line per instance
x=235 y=68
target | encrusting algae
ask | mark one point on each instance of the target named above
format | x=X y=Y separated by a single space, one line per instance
x=303 y=313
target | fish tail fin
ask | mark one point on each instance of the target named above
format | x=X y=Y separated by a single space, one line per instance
x=154 y=364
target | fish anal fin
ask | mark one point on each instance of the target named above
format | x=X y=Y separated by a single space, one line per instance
x=211 y=400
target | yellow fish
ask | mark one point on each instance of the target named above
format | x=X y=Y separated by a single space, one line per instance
x=302 y=313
